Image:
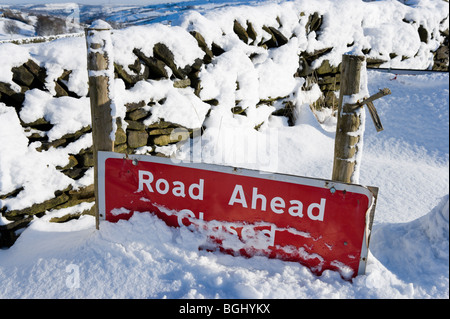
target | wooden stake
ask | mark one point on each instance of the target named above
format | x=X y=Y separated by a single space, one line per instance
x=348 y=121
x=99 y=66
x=372 y=110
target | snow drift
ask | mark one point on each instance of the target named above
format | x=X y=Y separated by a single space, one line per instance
x=143 y=258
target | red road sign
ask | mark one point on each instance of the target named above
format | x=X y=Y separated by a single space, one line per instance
x=320 y=223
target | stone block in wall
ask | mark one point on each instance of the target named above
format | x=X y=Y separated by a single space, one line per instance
x=212 y=102
x=331 y=100
x=35 y=135
x=61 y=85
x=11 y=97
x=36 y=208
x=60 y=91
x=238 y=109
x=120 y=137
x=68 y=217
x=121 y=148
x=136 y=114
x=39 y=124
x=63 y=141
x=76 y=135
x=330 y=79
x=8 y=234
x=240 y=31
x=423 y=34
x=22 y=76
x=196 y=84
x=156 y=68
x=194 y=67
x=135 y=125
x=129 y=79
x=216 y=49
x=181 y=84
x=441 y=58
x=304 y=69
x=83 y=192
x=202 y=44
x=87 y=159
x=137 y=139
x=163 y=53
x=271 y=42
x=45 y=146
x=161 y=131
x=329 y=82
x=163 y=140
x=133 y=106
x=374 y=62
x=288 y=111
x=72 y=163
x=74 y=201
x=279 y=37
x=306 y=60
x=314 y=23
x=251 y=32
x=162 y=124
x=74 y=172
x=327 y=68
x=82 y=195
x=39 y=73
x=13 y=193
x=136 y=67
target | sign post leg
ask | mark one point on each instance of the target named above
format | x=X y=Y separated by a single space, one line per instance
x=100 y=68
x=350 y=122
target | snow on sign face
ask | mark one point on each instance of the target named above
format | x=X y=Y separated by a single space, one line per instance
x=321 y=224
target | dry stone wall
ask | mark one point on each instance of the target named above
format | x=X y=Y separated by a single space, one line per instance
x=136 y=134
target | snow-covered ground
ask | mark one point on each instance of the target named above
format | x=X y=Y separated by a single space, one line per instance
x=143 y=258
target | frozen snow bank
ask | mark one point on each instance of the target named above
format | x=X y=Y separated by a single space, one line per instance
x=144 y=258
x=417 y=251
x=414 y=143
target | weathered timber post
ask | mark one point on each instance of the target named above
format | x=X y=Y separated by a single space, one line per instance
x=101 y=74
x=351 y=118
x=350 y=121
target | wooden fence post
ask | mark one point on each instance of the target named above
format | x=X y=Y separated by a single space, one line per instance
x=101 y=72
x=348 y=140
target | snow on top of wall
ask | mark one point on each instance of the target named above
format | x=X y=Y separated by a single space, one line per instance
x=384 y=26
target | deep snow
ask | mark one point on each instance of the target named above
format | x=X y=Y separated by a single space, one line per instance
x=143 y=258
